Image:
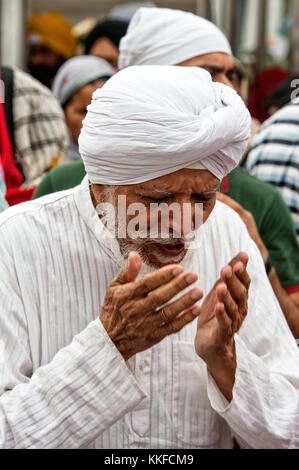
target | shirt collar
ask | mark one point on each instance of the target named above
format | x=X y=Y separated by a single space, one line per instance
x=89 y=214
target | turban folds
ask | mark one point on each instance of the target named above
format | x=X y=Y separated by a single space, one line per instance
x=160 y=36
x=150 y=121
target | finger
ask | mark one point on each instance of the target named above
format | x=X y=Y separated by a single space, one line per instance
x=236 y=288
x=176 y=325
x=130 y=271
x=171 y=311
x=240 y=270
x=231 y=307
x=163 y=294
x=154 y=280
x=242 y=257
x=224 y=323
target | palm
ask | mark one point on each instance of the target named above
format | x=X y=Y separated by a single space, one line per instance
x=207 y=327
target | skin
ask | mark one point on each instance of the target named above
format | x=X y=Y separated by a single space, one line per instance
x=184 y=186
x=289 y=303
x=236 y=83
x=39 y=54
x=135 y=320
x=220 y=65
x=272 y=110
x=105 y=49
x=75 y=111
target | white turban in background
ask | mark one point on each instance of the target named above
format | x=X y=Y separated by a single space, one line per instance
x=160 y=36
x=150 y=121
x=77 y=72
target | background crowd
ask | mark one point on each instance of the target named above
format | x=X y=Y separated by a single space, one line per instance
x=44 y=149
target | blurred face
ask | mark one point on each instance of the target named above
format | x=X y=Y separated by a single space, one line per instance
x=182 y=190
x=218 y=64
x=236 y=82
x=43 y=63
x=75 y=111
x=105 y=49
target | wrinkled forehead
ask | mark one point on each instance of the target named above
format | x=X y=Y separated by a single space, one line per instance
x=182 y=181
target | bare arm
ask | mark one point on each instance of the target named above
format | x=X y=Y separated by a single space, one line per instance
x=264 y=410
x=289 y=303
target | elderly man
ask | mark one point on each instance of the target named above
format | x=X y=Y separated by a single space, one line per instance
x=98 y=349
x=171 y=37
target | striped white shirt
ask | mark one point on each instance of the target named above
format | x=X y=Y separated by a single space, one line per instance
x=274 y=156
x=63 y=384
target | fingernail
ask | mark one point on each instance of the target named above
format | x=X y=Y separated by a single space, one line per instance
x=196 y=295
x=196 y=311
x=190 y=278
x=223 y=289
x=240 y=268
x=177 y=271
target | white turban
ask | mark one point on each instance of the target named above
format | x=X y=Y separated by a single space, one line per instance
x=151 y=121
x=160 y=36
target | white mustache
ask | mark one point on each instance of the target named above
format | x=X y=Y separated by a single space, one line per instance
x=168 y=240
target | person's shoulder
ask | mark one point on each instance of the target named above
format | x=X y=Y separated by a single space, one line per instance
x=30 y=85
x=286 y=121
x=38 y=98
x=30 y=210
x=289 y=111
x=240 y=179
x=226 y=230
x=68 y=170
x=62 y=177
x=227 y=218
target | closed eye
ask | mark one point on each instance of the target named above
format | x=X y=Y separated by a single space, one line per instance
x=204 y=198
x=155 y=199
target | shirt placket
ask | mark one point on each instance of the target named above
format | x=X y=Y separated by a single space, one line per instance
x=141 y=414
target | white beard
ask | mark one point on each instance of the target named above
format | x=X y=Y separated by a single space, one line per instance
x=147 y=268
x=123 y=250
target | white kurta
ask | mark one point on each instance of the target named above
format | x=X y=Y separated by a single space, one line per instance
x=64 y=384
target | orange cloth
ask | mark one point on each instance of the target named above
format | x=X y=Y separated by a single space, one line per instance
x=55 y=32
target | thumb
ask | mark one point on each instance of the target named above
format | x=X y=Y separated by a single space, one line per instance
x=131 y=270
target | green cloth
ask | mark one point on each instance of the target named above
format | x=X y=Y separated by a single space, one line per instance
x=273 y=220
x=271 y=214
x=60 y=178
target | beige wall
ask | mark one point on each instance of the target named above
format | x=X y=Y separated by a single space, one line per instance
x=76 y=10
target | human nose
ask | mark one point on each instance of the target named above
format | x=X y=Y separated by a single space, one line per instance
x=182 y=221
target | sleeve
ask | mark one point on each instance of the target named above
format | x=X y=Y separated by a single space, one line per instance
x=279 y=235
x=45 y=187
x=67 y=403
x=264 y=411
